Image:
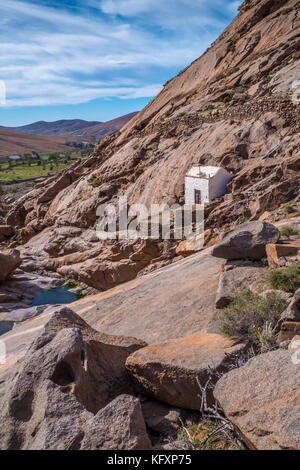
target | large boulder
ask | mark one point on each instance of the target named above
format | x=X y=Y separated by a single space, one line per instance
x=169 y=371
x=262 y=400
x=120 y=425
x=234 y=281
x=9 y=261
x=248 y=240
x=69 y=373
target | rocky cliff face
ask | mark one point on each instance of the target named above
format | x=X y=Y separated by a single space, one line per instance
x=236 y=107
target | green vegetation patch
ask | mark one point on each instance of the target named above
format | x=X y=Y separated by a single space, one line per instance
x=288 y=207
x=80 y=295
x=206 y=435
x=285 y=279
x=96 y=182
x=252 y=317
x=287 y=231
x=71 y=284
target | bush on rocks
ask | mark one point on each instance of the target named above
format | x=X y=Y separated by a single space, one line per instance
x=253 y=317
x=287 y=231
x=287 y=279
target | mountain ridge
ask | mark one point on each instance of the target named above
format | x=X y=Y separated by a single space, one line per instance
x=75 y=127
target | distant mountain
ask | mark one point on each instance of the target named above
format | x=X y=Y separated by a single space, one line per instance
x=86 y=130
x=62 y=127
x=96 y=132
x=15 y=143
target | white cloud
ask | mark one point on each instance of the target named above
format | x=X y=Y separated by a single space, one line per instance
x=120 y=49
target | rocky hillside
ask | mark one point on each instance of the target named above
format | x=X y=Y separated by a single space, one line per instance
x=235 y=107
x=203 y=352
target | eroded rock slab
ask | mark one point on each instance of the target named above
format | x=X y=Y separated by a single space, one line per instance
x=169 y=371
x=262 y=399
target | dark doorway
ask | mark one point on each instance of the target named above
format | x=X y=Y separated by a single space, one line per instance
x=197 y=196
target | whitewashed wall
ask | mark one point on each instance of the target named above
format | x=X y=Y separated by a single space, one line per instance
x=217 y=185
x=210 y=188
x=196 y=183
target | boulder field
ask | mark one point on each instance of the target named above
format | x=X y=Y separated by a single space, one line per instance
x=95 y=375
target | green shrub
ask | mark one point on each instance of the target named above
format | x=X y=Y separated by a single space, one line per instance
x=80 y=295
x=71 y=284
x=206 y=435
x=139 y=171
x=96 y=182
x=288 y=207
x=252 y=317
x=286 y=279
x=176 y=145
x=287 y=231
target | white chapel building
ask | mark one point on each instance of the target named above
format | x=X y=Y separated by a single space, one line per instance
x=205 y=183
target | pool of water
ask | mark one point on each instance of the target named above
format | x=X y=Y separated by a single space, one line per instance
x=5 y=326
x=59 y=295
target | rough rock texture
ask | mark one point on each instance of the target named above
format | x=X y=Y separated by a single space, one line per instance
x=288 y=331
x=169 y=371
x=292 y=313
x=262 y=399
x=9 y=262
x=233 y=107
x=69 y=372
x=248 y=240
x=5 y=232
x=188 y=247
x=275 y=252
x=164 y=419
x=294 y=345
x=120 y=425
x=234 y=281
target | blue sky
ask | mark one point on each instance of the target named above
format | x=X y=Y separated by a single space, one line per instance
x=98 y=59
